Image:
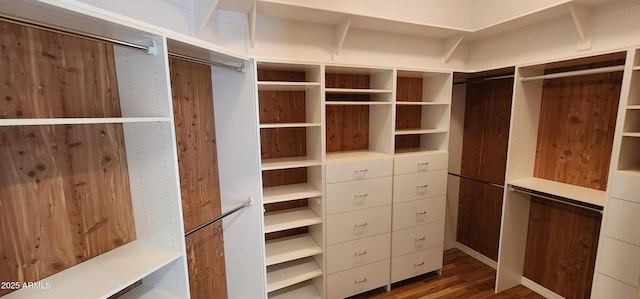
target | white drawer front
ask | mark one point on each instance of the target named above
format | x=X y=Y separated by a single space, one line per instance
x=621 y=261
x=358 y=224
x=419 y=185
x=420 y=163
x=351 y=196
x=607 y=287
x=418 y=212
x=625 y=186
x=358 y=170
x=417 y=263
x=623 y=221
x=358 y=280
x=417 y=238
x=357 y=253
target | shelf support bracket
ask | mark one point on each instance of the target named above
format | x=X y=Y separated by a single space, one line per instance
x=581 y=16
x=251 y=17
x=202 y=11
x=341 y=34
x=450 y=45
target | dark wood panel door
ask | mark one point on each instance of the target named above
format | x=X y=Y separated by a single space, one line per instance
x=484 y=156
x=192 y=96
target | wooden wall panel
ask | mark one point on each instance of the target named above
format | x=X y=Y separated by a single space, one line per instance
x=561 y=247
x=347 y=128
x=336 y=80
x=407 y=141
x=265 y=74
x=484 y=156
x=64 y=190
x=577 y=123
x=272 y=178
x=192 y=97
x=283 y=142
x=408 y=117
x=409 y=89
x=281 y=106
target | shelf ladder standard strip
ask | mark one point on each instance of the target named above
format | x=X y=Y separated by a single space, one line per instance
x=79 y=121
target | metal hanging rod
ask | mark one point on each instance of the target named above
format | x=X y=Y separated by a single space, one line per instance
x=241 y=69
x=608 y=69
x=223 y=215
x=558 y=199
x=151 y=49
x=477 y=180
x=478 y=80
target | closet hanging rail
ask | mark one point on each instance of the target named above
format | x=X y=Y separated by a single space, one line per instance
x=476 y=180
x=240 y=69
x=608 y=69
x=558 y=199
x=223 y=215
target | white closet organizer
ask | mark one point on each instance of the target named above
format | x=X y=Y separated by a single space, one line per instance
x=157 y=256
x=620 y=236
x=289 y=103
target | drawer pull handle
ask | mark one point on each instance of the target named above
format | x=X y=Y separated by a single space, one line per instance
x=420 y=239
x=360 y=197
x=422 y=166
x=360 y=253
x=421 y=213
x=360 y=173
x=360 y=225
x=422 y=189
x=418 y=265
x=360 y=281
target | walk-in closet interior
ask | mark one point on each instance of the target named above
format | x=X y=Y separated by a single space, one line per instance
x=317 y=149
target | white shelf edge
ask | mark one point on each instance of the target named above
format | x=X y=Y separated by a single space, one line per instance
x=290 y=248
x=303 y=290
x=405 y=103
x=415 y=132
x=417 y=151
x=364 y=103
x=576 y=193
x=289 y=125
x=633 y=107
x=336 y=157
x=288 y=162
x=630 y=171
x=636 y=68
x=631 y=134
x=286 y=86
x=356 y=91
x=141 y=292
x=289 y=192
x=287 y=274
x=288 y=219
x=79 y=121
x=104 y=275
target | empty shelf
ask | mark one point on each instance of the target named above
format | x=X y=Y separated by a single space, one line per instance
x=420 y=131
x=104 y=275
x=288 y=162
x=289 y=125
x=289 y=192
x=356 y=91
x=304 y=290
x=291 y=248
x=286 y=86
x=288 y=219
x=416 y=151
x=576 y=193
x=142 y=292
x=290 y=273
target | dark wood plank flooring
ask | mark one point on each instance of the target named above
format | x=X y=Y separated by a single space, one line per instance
x=462 y=277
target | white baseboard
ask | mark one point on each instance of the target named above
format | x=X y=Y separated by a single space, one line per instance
x=477 y=255
x=530 y=284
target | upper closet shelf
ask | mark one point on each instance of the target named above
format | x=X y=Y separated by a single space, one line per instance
x=102 y=276
x=420 y=131
x=421 y=103
x=576 y=193
x=289 y=125
x=288 y=162
x=79 y=121
x=289 y=192
x=368 y=103
x=286 y=86
x=356 y=91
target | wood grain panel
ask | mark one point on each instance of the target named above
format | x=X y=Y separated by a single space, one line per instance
x=484 y=156
x=205 y=261
x=355 y=81
x=54 y=75
x=347 y=128
x=272 y=178
x=192 y=97
x=407 y=141
x=408 y=117
x=64 y=190
x=409 y=89
x=561 y=247
x=281 y=106
x=283 y=142
x=577 y=122
x=265 y=74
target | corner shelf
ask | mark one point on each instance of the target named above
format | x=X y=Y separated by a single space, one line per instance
x=288 y=219
x=289 y=192
x=291 y=248
x=290 y=273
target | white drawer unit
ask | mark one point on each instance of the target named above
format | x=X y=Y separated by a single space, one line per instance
x=358 y=170
x=416 y=263
x=356 y=195
x=621 y=261
x=358 y=224
x=420 y=163
x=419 y=185
x=357 y=253
x=625 y=186
x=624 y=225
x=607 y=287
x=358 y=280
x=417 y=238
x=418 y=212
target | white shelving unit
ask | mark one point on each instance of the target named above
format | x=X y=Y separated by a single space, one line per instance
x=290 y=108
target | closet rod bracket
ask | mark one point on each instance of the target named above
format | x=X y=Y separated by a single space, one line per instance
x=152 y=49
